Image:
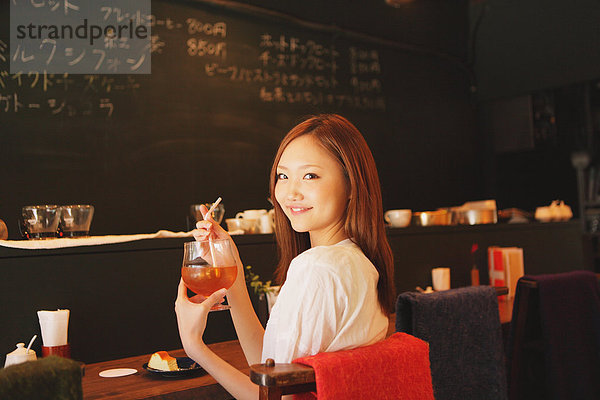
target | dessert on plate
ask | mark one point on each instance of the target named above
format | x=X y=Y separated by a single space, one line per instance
x=162 y=361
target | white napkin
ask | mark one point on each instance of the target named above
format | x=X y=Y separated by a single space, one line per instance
x=55 y=325
x=89 y=241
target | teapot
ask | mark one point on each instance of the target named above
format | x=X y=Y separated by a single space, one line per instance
x=21 y=354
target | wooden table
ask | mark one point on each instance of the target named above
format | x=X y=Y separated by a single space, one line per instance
x=146 y=385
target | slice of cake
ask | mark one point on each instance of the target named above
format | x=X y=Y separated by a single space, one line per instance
x=161 y=360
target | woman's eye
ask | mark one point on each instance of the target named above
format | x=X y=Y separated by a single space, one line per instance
x=310 y=176
x=281 y=176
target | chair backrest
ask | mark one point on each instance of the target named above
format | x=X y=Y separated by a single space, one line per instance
x=462 y=327
x=397 y=367
x=554 y=342
x=47 y=378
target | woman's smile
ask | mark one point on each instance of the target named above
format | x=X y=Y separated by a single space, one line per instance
x=312 y=190
x=299 y=210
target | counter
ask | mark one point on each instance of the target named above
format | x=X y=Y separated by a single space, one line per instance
x=121 y=296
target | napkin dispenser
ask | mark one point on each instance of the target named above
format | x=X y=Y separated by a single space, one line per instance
x=54 y=326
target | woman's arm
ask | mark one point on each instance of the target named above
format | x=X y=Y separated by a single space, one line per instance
x=247 y=325
x=234 y=381
x=191 y=320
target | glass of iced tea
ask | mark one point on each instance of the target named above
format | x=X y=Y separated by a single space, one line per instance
x=208 y=266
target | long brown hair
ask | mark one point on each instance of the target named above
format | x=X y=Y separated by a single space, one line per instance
x=364 y=216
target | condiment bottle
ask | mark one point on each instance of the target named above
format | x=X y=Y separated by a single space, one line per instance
x=21 y=354
x=474 y=269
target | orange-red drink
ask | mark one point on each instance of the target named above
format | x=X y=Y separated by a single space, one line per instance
x=206 y=279
x=209 y=266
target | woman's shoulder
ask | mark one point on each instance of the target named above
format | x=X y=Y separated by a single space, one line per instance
x=331 y=259
x=325 y=254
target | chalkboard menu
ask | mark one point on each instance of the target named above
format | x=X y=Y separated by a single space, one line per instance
x=224 y=89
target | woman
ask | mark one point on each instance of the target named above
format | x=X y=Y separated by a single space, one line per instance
x=336 y=266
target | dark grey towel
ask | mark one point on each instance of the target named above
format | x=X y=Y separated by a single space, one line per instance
x=462 y=327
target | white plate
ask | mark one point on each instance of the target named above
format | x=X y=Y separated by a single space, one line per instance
x=117 y=372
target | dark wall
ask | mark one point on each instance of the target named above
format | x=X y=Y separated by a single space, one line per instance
x=436 y=25
x=523 y=46
x=179 y=136
x=546 y=51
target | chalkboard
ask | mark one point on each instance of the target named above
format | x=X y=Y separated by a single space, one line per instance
x=225 y=87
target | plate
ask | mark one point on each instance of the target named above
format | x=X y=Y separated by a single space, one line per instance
x=186 y=365
x=117 y=372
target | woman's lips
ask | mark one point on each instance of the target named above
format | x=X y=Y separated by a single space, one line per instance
x=299 y=210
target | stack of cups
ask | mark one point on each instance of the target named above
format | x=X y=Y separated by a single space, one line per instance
x=55 y=326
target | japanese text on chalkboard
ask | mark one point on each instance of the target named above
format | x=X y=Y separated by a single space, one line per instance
x=77 y=36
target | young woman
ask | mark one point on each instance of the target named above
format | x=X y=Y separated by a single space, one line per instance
x=336 y=266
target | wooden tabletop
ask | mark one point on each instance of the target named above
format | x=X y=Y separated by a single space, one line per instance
x=147 y=385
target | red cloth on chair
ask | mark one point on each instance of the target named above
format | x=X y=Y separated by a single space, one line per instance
x=395 y=368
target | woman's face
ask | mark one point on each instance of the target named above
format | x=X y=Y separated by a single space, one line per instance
x=312 y=191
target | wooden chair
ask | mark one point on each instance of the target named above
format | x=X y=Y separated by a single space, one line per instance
x=398 y=365
x=528 y=357
x=277 y=380
x=525 y=342
x=462 y=327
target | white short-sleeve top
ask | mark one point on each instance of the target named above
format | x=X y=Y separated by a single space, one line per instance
x=327 y=303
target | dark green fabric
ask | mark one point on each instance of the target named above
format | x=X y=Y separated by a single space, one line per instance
x=50 y=378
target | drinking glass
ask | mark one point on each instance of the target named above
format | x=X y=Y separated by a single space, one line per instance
x=40 y=222
x=208 y=266
x=75 y=220
x=217 y=214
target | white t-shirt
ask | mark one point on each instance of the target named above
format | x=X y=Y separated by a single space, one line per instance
x=327 y=303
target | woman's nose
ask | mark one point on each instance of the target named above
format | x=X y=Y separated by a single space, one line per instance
x=294 y=193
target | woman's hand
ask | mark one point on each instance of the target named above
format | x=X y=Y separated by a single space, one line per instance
x=208 y=228
x=192 y=314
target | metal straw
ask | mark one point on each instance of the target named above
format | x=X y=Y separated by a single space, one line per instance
x=210 y=243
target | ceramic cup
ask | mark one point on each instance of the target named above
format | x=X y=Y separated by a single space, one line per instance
x=267 y=222
x=440 y=278
x=398 y=218
x=251 y=214
x=242 y=224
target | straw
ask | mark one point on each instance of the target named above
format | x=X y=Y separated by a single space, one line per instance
x=212 y=208
x=210 y=243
